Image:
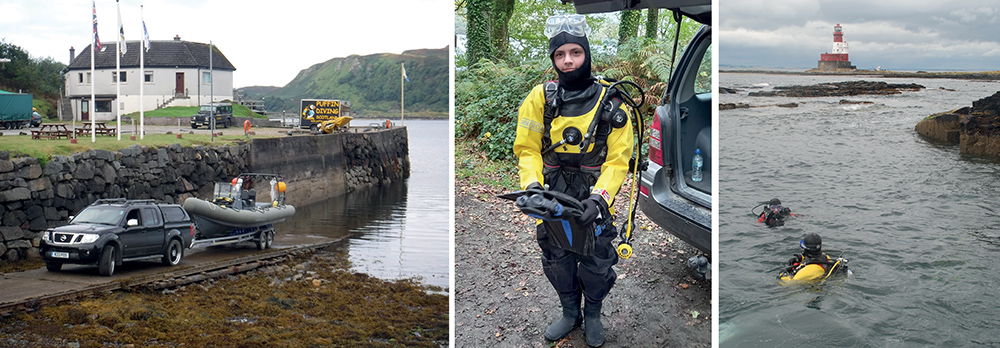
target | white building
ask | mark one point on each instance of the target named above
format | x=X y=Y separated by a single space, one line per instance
x=176 y=73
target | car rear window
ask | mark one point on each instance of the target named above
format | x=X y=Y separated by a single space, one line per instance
x=173 y=214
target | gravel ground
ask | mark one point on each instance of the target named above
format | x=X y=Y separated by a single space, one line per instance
x=502 y=298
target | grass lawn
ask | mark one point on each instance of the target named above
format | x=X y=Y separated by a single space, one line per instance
x=43 y=149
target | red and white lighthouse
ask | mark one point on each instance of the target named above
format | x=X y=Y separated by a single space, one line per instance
x=838 y=59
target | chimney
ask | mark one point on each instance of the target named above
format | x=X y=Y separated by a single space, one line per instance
x=72 y=54
x=177 y=38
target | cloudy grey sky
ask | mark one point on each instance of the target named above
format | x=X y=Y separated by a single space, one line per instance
x=267 y=41
x=892 y=34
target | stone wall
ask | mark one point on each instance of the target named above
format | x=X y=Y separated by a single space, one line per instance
x=35 y=196
x=323 y=166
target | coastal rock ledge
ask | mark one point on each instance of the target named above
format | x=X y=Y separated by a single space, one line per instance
x=976 y=129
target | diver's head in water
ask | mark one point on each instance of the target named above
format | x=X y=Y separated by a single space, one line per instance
x=812 y=244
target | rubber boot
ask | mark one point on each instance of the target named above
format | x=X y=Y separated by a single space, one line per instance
x=593 y=329
x=571 y=317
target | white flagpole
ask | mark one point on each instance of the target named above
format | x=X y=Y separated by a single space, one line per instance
x=118 y=66
x=93 y=51
x=142 y=76
x=118 y=86
x=402 y=94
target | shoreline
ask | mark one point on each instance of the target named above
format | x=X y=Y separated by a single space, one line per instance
x=982 y=75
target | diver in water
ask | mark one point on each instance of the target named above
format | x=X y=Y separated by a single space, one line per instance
x=554 y=155
x=812 y=263
x=774 y=214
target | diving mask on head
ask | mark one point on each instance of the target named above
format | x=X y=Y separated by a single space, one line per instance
x=573 y=24
x=776 y=209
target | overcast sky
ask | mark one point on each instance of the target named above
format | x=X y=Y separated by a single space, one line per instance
x=269 y=42
x=893 y=34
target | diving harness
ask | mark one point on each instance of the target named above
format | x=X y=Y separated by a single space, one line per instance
x=562 y=209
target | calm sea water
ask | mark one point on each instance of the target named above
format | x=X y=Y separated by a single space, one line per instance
x=919 y=223
x=396 y=231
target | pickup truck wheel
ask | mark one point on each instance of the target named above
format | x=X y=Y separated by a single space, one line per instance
x=172 y=256
x=53 y=266
x=107 y=262
x=194 y=126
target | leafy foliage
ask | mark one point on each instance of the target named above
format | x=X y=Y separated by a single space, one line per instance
x=652 y=20
x=488 y=93
x=39 y=76
x=487 y=97
x=629 y=25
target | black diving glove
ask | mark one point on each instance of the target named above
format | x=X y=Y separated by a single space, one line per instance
x=534 y=186
x=592 y=207
x=795 y=259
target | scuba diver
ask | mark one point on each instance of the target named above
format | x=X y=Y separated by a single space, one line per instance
x=568 y=143
x=773 y=214
x=812 y=264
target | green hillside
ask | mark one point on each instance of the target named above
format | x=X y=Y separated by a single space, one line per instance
x=370 y=83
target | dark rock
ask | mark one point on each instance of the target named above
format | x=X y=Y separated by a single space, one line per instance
x=731 y=106
x=6 y=166
x=51 y=213
x=727 y=90
x=65 y=191
x=15 y=194
x=84 y=171
x=836 y=89
x=34 y=211
x=788 y=105
x=845 y=101
x=15 y=217
x=11 y=255
x=10 y=233
x=38 y=224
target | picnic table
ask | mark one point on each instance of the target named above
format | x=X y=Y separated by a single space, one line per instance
x=51 y=131
x=99 y=128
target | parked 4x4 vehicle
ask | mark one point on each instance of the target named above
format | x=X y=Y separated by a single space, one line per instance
x=111 y=231
x=223 y=113
x=681 y=126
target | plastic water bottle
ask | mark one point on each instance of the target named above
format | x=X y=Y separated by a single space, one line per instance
x=696 y=165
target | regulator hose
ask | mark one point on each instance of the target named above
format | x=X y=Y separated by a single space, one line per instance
x=624 y=248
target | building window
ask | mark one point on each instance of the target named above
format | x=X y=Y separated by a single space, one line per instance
x=206 y=77
x=148 y=76
x=81 y=77
x=102 y=106
x=88 y=78
x=114 y=76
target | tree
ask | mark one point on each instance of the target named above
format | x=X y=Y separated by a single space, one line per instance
x=629 y=26
x=652 y=19
x=487 y=30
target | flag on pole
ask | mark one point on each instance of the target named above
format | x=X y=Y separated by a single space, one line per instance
x=121 y=30
x=97 y=40
x=145 y=35
x=404 y=72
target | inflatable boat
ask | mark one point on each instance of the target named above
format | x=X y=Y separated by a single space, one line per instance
x=235 y=209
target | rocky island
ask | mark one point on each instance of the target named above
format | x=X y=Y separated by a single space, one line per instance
x=839 y=89
x=976 y=129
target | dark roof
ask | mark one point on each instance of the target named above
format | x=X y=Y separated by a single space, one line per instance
x=161 y=54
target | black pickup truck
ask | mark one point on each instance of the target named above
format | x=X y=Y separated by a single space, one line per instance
x=111 y=231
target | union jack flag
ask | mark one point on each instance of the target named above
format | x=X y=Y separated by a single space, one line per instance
x=97 y=40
